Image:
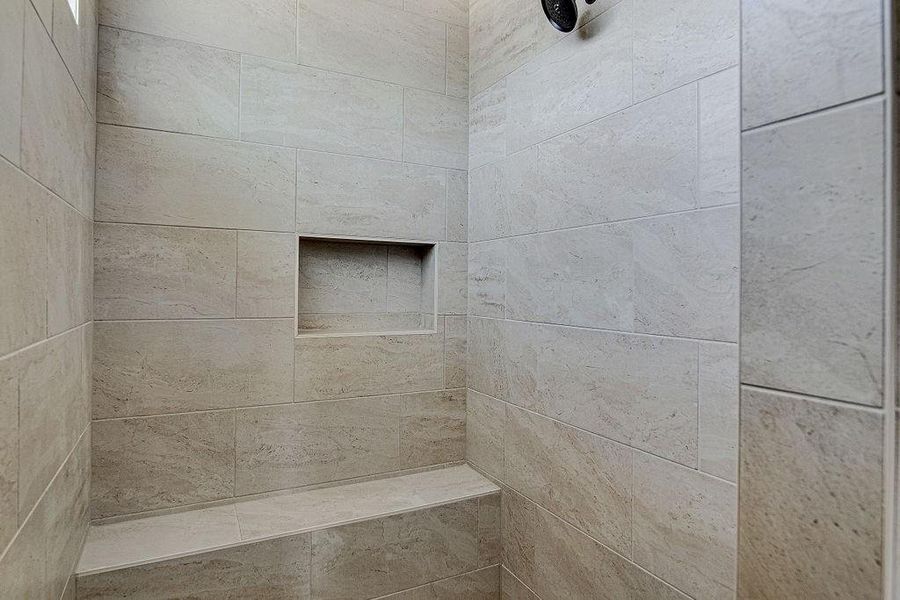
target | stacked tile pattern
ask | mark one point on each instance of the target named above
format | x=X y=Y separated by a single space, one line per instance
x=225 y=130
x=603 y=295
x=47 y=107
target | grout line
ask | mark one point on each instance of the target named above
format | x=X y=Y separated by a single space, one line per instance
x=814 y=113
x=799 y=396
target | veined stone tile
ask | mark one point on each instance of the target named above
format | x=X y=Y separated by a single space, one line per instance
x=435 y=129
x=457 y=206
x=171 y=179
x=452 y=278
x=483 y=584
x=455 y=12
x=457 y=61
x=265 y=274
x=455 y=336
x=158 y=367
x=432 y=428
x=487 y=278
x=70 y=266
x=487 y=125
x=77 y=44
x=9 y=450
x=147 y=272
x=292 y=105
x=12 y=18
x=720 y=138
x=719 y=399
x=363 y=38
x=159 y=83
x=485 y=429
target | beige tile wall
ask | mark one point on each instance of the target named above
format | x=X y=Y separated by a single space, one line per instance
x=226 y=129
x=47 y=74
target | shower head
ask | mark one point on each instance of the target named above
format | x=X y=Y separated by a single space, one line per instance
x=562 y=14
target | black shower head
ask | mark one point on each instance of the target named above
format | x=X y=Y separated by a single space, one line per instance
x=563 y=14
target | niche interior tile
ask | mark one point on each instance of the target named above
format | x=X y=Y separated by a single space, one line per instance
x=147 y=272
x=342 y=277
x=487 y=125
x=720 y=138
x=12 y=18
x=457 y=61
x=813 y=211
x=77 y=44
x=835 y=458
x=435 y=129
x=678 y=41
x=70 y=267
x=287 y=104
x=265 y=274
x=164 y=178
x=485 y=427
x=806 y=55
x=719 y=410
x=432 y=428
x=487 y=278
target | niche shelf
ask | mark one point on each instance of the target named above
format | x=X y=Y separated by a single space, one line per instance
x=353 y=286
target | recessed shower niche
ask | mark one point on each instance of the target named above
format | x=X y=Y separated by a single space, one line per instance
x=363 y=286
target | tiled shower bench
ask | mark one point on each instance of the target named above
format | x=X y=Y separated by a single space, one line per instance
x=432 y=535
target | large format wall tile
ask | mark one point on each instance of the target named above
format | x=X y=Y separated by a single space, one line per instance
x=685 y=527
x=457 y=61
x=455 y=12
x=487 y=125
x=265 y=274
x=293 y=105
x=513 y=589
x=262 y=27
x=12 y=16
x=363 y=38
x=718 y=398
x=70 y=267
x=457 y=206
x=806 y=55
x=485 y=428
x=150 y=463
x=76 y=41
x=826 y=493
x=144 y=272
x=158 y=367
x=505 y=196
x=812 y=306
x=435 y=129
x=455 y=341
x=432 y=428
x=678 y=41
x=720 y=138
x=483 y=584
x=487 y=278
x=160 y=83
x=171 y=179
x=350 y=195
x=9 y=450
x=452 y=278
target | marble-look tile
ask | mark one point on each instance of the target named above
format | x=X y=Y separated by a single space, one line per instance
x=455 y=336
x=432 y=428
x=567 y=85
x=679 y=41
x=164 y=178
x=457 y=61
x=293 y=105
x=813 y=266
x=142 y=464
x=367 y=365
x=161 y=83
x=483 y=584
x=806 y=55
x=720 y=138
x=836 y=460
x=158 y=367
x=9 y=450
x=55 y=119
x=581 y=476
x=487 y=278
x=457 y=206
x=271 y=570
x=23 y=270
x=70 y=268
x=147 y=272
x=363 y=38
x=485 y=428
x=487 y=125
x=316 y=442
x=452 y=278
x=261 y=27
x=435 y=129
x=23 y=572
x=718 y=397
x=342 y=277
x=685 y=527
x=350 y=195
x=394 y=553
x=687 y=275
x=129 y=543
x=12 y=18
x=455 y=12
x=265 y=274
x=76 y=41
x=513 y=589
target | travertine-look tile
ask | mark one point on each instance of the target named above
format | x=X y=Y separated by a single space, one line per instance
x=505 y=196
x=270 y=570
x=142 y=464
x=678 y=41
x=160 y=83
x=483 y=584
x=435 y=129
x=485 y=428
x=720 y=138
x=457 y=61
x=567 y=85
x=452 y=278
x=355 y=323
x=77 y=44
x=718 y=396
x=490 y=548
x=171 y=179
x=262 y=27
x=9 y=450
x=394 y=553
x=455 y=12
x=159 y=367
x=70 y=267
x=23 y=572
x=342 y=277
x=487 y=125
x=265 y=274
x=685 y=527
x=367 y=365
x=350 y=195
x=432 y=428
x=12 y=16
x=316 y=442
x=487 y=278
x=455 y=336
x=572 y=473
x=835 y=459
x=292 y=105
x=146 y=272
x=513 y=589
x=23 y=270
x=813 y=211
x=363 y=38
x=806 y=55
x=457 y=206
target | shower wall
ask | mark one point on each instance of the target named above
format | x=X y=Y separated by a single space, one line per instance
x=47 y=74
x=603 y=294
x=227 y=128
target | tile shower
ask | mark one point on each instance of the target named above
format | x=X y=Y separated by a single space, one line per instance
x=426 y=300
